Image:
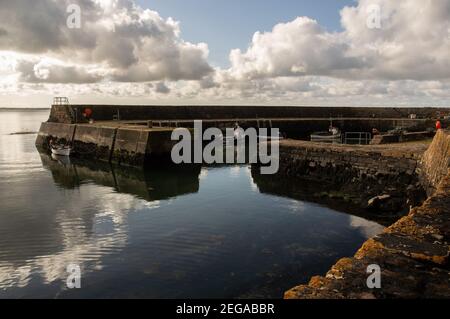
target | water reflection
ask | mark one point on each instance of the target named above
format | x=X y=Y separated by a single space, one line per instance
x=160 y=232
x=88 y=224
x=322 y=193
x=151 y=184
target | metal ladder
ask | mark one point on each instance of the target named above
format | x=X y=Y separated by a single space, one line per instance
x=64 y=101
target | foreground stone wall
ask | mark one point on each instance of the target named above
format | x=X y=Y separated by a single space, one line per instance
x=435 y=164
x=413 y=255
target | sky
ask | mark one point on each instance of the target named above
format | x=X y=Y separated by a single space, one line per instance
x=288 y=52
x=230 y=24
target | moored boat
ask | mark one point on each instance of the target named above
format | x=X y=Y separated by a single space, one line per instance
x=326 y=137
x=61 y=150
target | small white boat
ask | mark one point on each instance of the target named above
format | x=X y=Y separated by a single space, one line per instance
x=238 y=135
x=61 y=150
x=325 y=137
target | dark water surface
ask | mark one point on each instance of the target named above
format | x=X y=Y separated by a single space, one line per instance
x=159 y=233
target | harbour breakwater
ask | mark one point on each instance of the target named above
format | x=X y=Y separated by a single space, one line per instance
x=108 y=142
x=294 y=122
x=74 y=113
x=133 y=135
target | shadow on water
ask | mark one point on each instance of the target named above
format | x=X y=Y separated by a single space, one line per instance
x=325 y=194
x=151 y=184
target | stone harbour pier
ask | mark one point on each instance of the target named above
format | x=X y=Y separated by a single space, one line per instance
x=404 y=180
x=134 y=134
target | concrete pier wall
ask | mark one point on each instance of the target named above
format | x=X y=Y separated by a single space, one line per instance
x=50 y=131
x=121 y=145
x=94 y=142
x=130 y=147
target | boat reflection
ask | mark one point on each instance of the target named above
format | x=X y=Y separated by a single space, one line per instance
x=87 y=224
x=151 y=184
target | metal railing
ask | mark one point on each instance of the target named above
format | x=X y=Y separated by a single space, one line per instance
x=60 y=100
x=64 y=101
x=360 y=138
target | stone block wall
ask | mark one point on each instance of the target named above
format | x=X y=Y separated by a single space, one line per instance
x=413 y=256
x=362 y=173
x=61 y=114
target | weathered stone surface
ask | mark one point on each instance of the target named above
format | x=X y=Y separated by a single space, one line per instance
x=384 y=177
x=128 y=145
x=412 y=254
x=435 y=163
x=165 y=112
x=61 y=114
x=404 y=137
x=94 y=142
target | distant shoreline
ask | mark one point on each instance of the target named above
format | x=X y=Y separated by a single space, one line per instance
x=24 y=108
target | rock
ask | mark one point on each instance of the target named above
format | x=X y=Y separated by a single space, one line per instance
x=377 y=201
x=413 y=265
x=437 y=236
x=391 y=204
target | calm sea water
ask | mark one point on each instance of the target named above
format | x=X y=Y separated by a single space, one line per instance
x=160 y=233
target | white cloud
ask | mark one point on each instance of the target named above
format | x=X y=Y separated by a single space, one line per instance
x=132 y=44
x=297 y=48
x=47 y=71
x=125 y=52
x=412 y=44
